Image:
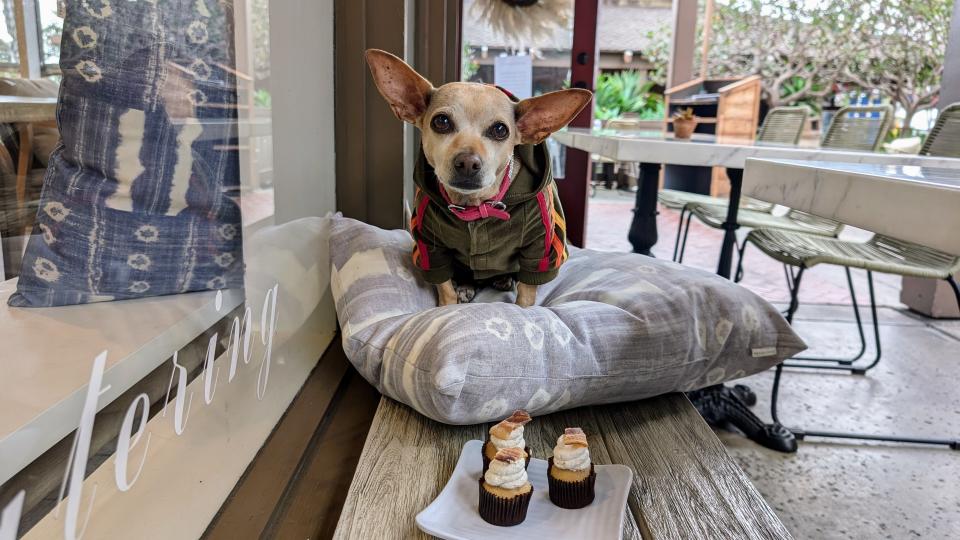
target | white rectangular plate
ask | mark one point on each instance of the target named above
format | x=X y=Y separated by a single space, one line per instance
x=453 y=514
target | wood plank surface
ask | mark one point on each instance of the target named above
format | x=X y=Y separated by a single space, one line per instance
x=685 y=484
x=382 y=500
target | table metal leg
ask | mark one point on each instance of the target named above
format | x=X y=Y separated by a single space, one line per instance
x=730 y=225
x=607 y=175
x=643 y=229
x=721 y=405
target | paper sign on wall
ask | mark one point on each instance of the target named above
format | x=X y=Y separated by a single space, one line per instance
x=515 y=73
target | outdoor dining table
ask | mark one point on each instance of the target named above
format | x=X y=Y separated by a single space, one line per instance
x=864 y=189
x=655 y=148
x=23 y=112
x=916 y=204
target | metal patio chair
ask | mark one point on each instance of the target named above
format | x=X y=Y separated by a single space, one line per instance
x=605 y=170
x=858 y=128
x=782 y=125
x=879 y=254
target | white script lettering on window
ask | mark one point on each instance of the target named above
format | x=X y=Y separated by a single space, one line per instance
x=138 y=413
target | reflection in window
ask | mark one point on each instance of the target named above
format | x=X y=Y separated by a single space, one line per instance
x=9 y=55
x=51 y=26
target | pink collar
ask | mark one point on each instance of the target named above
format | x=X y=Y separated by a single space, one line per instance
x=490 y=208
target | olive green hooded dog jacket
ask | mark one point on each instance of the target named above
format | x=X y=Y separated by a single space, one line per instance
x=522 y=234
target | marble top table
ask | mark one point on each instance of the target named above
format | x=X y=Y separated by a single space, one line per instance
x=917 y=204
x=707 y=151
x=653 y=148
x=878 y=207
x=15 y=109
x=23 y=112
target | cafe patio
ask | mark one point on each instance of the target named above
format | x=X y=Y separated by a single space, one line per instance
x=220 y=317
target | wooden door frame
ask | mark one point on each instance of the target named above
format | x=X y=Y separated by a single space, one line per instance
x=370 y=144
x=574 y=189
x=368 y=138
x=437 y=51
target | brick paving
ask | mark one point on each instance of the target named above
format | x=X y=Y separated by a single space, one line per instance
x=609 y=216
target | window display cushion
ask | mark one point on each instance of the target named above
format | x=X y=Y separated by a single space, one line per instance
x=138 y=199
x=611 y=327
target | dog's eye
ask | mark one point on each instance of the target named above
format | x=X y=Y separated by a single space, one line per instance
x=498 y=131
x=441 y=123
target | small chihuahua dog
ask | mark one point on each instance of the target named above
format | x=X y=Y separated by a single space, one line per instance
x=486 y=209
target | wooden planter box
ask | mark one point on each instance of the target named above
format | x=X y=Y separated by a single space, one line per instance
x=726 y=107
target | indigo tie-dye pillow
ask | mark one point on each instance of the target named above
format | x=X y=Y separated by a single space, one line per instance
x=140 y=198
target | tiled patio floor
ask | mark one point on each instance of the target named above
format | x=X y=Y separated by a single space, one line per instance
x=829 y=488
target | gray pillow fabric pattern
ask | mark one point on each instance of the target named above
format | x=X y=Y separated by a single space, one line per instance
x=611 y=327
x=140 y=197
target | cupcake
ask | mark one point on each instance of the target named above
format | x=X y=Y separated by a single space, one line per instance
x=505 y=490
x=570 y=473
x=507 y=434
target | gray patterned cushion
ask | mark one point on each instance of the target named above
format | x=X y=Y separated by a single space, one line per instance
x=611 y=327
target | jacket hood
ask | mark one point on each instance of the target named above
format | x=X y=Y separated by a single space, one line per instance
x=532 y=178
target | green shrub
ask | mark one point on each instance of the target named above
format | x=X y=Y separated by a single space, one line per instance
x=626 y=92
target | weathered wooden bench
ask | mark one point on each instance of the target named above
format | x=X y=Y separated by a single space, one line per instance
x=685 y=485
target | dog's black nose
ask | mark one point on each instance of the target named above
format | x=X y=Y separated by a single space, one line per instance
x=467 y=164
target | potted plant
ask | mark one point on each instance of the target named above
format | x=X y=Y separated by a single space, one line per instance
x=684 y=122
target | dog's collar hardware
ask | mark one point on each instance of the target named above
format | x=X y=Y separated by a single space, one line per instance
x=494 y=207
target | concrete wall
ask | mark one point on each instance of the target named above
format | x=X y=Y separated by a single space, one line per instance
x=301 y=85
x=950 y=92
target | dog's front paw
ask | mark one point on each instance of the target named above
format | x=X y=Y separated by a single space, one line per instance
x=503 y=283
x=526 y=295
x=465 y=293
x=446 y=294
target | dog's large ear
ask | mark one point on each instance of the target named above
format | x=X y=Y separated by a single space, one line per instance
x=405 y=90
x=538 y=117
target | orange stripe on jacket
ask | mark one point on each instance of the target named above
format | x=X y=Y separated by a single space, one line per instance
x=547 y=239
x=561 y=251
x=557 y=240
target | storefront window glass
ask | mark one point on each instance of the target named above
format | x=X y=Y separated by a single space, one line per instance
x=158 y=314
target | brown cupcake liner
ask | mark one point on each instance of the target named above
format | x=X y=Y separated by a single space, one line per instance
x=503 y=511
x=571 y=495
x=486 y=460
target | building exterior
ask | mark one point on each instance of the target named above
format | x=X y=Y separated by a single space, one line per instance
x=625 y=30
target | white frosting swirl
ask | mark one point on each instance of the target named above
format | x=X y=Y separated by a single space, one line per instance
x=515 y=440
x=506 y=475
x=569 y=457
